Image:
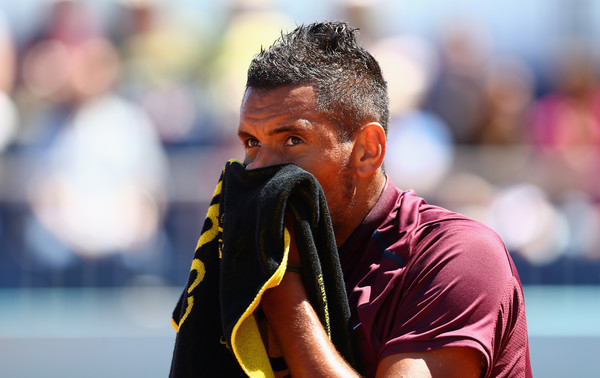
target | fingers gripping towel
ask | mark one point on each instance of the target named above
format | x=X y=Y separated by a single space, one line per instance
x=242 y=251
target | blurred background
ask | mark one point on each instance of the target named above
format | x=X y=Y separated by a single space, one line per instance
x=116 y=117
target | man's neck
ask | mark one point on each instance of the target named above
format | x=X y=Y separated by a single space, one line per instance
x=367 y=195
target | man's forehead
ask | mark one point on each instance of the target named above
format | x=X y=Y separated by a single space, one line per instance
x=283 y=94
x=279 y=102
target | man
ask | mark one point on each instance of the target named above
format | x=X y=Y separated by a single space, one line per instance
x=431 y=292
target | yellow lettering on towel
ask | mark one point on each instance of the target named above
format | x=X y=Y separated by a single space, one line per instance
x=210 y=234
x=197 y=266
x=206 y=237
x=324 y=296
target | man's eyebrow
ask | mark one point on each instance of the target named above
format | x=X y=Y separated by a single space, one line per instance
x=244 y=134
x=274 y=131
x=287 y=129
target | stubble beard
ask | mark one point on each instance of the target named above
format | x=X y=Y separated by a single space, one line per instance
x=346 y=198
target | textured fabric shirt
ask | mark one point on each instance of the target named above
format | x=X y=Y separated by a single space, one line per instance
x=420 y=277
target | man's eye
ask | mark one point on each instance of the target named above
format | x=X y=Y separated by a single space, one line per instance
x=293 y=140
x=251 y=142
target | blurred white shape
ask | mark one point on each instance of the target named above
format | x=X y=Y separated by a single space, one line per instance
x=409 y=66
x=468 y=194
x=529 y=224
x=102 y=191
x=419 y=146
x=584 y=223
x=8 y=121
x=419 y=151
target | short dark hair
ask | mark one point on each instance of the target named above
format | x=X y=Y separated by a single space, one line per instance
x=348 y=82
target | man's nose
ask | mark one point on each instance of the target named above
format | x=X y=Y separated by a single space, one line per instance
x=266 y=158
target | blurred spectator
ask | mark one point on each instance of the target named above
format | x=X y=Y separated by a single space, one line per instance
x=8 y=54
x=91 y=93
x=458 y=93
x=508 y=93
x=360 y=14
x=529 y=223
x=161 y=58
x=565 y=123
x=8 y=111
x=570 y=115
x=99 y=187
x=252 y=24
x=420 y=147
x=102 y=190
x=52 y=77
x=8 y=123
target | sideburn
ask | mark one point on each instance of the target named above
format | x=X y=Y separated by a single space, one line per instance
x=347 y=192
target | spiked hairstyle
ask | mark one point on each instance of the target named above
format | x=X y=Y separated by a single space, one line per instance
x=349 y=86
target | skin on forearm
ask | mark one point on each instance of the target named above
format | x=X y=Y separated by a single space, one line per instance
x=306 y=347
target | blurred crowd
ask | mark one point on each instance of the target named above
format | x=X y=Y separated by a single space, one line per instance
x=116 y=118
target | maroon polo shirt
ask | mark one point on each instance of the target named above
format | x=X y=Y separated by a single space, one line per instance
x=420 y=277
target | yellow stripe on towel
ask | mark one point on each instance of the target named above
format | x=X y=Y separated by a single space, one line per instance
x=246 y=340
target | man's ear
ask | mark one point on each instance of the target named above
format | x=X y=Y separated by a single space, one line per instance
x=369 y=149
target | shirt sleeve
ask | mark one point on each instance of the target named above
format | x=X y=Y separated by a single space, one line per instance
x=453 y=293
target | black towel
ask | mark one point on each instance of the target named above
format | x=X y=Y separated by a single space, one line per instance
x=242 y=251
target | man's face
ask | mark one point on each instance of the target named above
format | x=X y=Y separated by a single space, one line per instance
x=282 y=126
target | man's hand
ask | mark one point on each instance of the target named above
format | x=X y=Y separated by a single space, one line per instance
x=306 y=347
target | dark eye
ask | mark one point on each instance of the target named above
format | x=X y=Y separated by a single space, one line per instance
x=293 y=140
x=251 y=142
